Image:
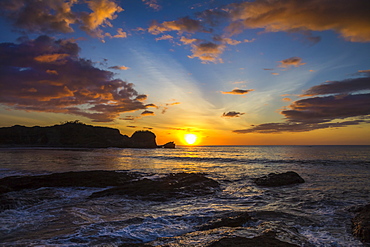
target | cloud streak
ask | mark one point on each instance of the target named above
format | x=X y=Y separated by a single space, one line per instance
x=238 y=91
x=47 y=75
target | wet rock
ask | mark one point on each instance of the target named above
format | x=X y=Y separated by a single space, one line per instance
x=67 y=179
x=279 y=179
x=28 y=198
x=233 y=219
x=265 y=240
x=361 y=224
x=173 y=186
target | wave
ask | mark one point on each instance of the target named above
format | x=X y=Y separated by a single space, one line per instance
x=259 y=161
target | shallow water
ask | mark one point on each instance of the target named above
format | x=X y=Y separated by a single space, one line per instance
x=316 y=212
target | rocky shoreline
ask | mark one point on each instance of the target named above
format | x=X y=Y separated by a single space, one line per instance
x=75 y=134
x=225 y=229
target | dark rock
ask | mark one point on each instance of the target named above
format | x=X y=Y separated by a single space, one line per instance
x=233 y=219
x=361 y=224
x=177 y=185
x=29 y=198
x=143 y=139
x=169 y=145
x=279 y=179
x=75 y=135
x=67 y=179
x=265 y=240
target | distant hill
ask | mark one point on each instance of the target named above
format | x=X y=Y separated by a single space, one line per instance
x=74 y=134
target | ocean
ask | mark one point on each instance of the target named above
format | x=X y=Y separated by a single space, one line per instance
x=315 y=213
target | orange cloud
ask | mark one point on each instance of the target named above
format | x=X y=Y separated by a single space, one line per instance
x=350 y=19
x=187 y=41
x=119 y=67
x=103 y=11
x=52 y=72
x=164 y=37
x=293 y=61
x=238 y=91
x=50 y=58
x=184 y=24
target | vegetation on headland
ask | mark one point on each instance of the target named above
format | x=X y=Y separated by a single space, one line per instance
x=74 y=134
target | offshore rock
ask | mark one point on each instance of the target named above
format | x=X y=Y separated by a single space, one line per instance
x=169 y=145
x=361 y=224
x=67 y=179
x=173 y=186
x=143 y=139
x=279 y=179
x=74 y=135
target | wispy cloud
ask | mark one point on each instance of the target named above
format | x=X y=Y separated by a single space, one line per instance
x=152 y=4
x=47 y=75
x=238 y=91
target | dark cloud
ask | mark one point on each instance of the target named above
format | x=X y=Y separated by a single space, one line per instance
x=151 y=105
x=131 y=126
x=238 y=91
x=274 y=128
x=343 y=105
x=47 y=75
x=147 y=113
x=325 y=109
x=232 y=114
x=141 y=97
x=207 y=52
x=340 y=87
x=49 y=16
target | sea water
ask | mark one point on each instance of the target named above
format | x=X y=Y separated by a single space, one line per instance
x=316 y=213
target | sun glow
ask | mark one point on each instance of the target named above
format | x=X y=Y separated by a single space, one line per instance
x=190 y=139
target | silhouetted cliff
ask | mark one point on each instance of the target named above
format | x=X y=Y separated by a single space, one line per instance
x=74 y=134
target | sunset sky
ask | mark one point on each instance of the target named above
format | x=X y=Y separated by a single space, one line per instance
x=264 y=72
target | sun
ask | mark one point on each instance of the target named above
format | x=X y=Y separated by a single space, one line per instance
x=190 y=138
